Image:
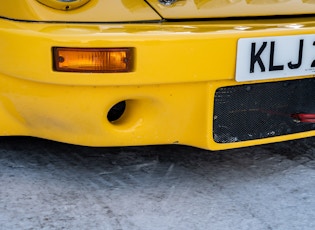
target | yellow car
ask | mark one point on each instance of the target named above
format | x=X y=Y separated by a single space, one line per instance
x=215 y=74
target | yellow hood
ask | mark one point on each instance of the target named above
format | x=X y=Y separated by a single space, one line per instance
x=178 y=9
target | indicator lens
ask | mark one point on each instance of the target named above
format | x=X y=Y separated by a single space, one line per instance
x=95 y=60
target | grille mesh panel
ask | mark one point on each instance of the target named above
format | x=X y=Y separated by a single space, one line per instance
x=255 y=111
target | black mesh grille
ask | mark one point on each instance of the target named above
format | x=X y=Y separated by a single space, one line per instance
x=254 y=111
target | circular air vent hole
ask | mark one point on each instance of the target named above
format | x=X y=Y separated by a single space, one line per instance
x=116 y=111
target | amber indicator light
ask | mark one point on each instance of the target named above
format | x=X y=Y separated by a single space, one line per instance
x=93 y=60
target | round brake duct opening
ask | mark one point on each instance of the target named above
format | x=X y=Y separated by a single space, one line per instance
x=116 y=111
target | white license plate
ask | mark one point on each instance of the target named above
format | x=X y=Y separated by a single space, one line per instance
x=275 y=57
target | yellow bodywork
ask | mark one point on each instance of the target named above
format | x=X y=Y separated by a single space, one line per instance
x=169 y=95
x=232 y=8
x=92 y=11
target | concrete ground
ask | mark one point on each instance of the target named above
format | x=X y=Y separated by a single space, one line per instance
x=49 y=185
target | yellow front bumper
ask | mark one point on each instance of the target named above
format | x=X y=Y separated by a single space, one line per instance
x=169 y=96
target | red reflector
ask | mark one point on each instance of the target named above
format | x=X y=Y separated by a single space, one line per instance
x=94 y=60
x=304 y=117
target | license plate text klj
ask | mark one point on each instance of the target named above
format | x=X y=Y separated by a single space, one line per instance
x=275 y=57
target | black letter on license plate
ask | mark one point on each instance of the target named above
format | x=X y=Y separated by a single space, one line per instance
x=313 y=63
x=271 y=60
x=255 y=57
x=297 y=65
